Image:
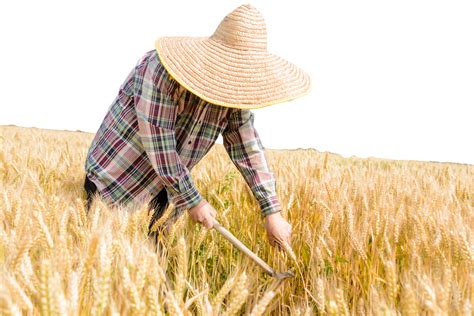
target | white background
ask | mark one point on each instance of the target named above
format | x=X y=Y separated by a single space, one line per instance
x=391 y=79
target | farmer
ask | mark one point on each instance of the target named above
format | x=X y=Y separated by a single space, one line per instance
x=170 y=110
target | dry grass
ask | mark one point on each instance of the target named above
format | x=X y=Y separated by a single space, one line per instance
x=370 y=237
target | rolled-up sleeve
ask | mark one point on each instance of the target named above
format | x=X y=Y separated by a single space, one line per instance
x=156 y=115
x=246 y=151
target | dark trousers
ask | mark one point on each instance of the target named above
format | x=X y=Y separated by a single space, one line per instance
x=158 y=204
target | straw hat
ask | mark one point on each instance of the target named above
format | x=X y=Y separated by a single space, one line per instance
x=232 y=68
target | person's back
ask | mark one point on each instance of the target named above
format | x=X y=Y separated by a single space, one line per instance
x=120 y=159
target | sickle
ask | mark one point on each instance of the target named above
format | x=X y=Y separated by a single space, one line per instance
x=238 y=244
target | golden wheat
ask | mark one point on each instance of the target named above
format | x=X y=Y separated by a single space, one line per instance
x=370 y=236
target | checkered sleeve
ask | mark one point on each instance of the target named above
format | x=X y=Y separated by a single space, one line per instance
x=156 y=114
x=246 y=151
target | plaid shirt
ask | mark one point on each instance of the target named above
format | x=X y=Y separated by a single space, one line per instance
x=155 y=131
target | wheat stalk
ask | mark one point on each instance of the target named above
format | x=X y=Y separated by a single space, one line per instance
x=260 y=307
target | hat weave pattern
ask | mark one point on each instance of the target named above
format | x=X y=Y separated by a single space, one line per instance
x=233 y=68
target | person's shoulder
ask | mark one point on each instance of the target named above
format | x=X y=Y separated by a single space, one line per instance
x=150 y=58
x=150 y=66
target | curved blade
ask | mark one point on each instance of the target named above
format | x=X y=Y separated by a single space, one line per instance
x=283 y=275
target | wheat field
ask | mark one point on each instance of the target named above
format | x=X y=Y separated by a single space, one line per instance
x=370 y=237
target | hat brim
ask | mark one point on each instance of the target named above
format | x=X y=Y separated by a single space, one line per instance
x=229 y=77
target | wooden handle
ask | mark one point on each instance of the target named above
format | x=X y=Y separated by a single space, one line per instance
x=237 y=243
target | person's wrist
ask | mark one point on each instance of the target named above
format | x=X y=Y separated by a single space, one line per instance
x=199 y=205
x=272 y=216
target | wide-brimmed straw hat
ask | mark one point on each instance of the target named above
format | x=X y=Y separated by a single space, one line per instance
x=233 y=68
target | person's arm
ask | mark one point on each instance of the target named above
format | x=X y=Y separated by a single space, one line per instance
x=246 y=151
x=156 y=114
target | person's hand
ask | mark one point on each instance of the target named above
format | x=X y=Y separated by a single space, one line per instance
x=203 y=213
x=278 y=229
